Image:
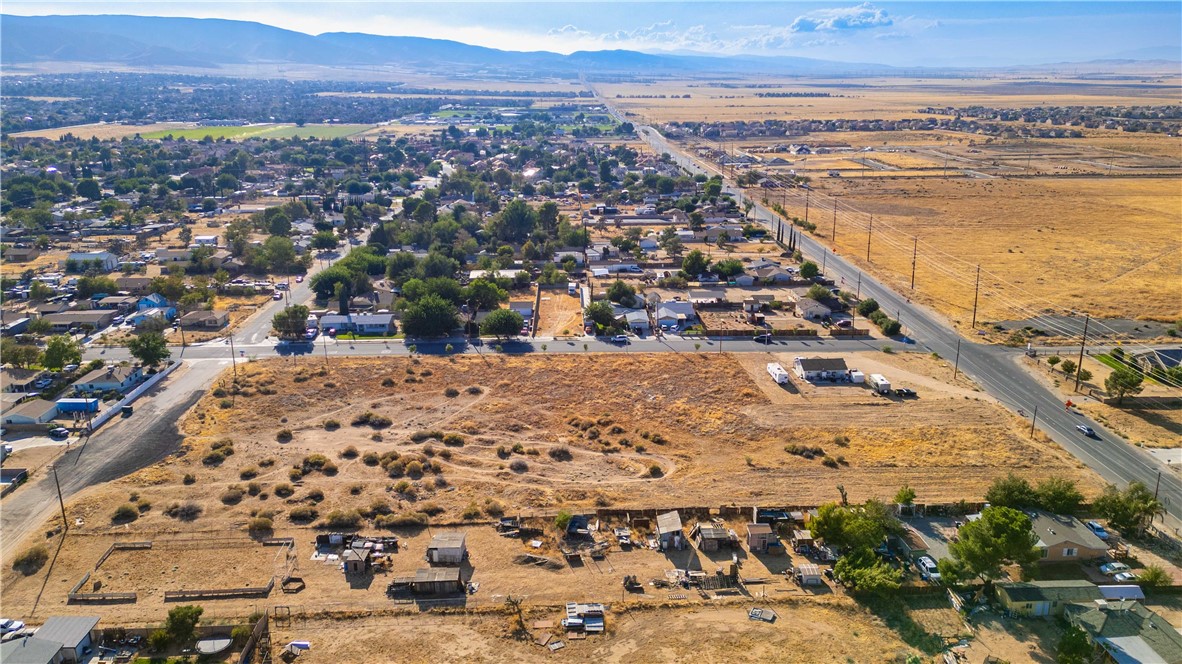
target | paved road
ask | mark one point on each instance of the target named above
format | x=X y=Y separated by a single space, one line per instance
x=995 y=368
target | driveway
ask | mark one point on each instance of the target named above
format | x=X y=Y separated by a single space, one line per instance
x=936 y=531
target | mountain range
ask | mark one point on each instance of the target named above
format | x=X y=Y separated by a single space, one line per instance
x=143 y=42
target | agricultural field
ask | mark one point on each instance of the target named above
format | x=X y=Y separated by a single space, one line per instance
x=262 y=131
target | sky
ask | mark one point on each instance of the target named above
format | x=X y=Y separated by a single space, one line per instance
x=964 y=33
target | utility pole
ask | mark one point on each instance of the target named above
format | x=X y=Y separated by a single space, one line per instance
x=61 y=503
x=858 y=295
x=835 y=223
x=869 y=234
x=807 y=190
x=325 y=345
x=233 y=355
x=1082 y=342
x=956 y=363
x=914 y=252
x=976 y=292
x=1033 y=420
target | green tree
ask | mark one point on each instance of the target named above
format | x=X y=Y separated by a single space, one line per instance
x=695 y=263
x=1128 y=511
x=1058 y=495
x=40 y=291
x=905 y=495
x=181 y=623
x=40 y=326
x=1011 y=491
x=326 y=240
x=484 y=294
x=601 y=314
x=621 y=293
x=1068 y=367
x=728 y=268
x=279 y=252
x=150 y=348
x=502 y=323
x=1001 y=536
x=291 y=322
x=60 y=350
x=1122 y=382
x=862 y=571
x=324 y=284
x=430 y=316
x=185 y=235
x=515 y=222
x=1154 y=576
x=818 y=292
x=88 y=286
x=548 y=216
x=1084 y=375
x=89 y=188
x=1053 y=360
x=21 y=356
x=867 y=306
x=1074 y=647
x=809 y=269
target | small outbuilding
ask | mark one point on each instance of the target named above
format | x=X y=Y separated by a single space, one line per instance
x=710 y=537
x=669 y=530
x=809 y=575
x=447 y=549
x=437 y=581
x=759 y=537
x=356 y=561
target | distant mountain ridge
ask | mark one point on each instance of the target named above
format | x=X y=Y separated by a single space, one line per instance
x=149 y=41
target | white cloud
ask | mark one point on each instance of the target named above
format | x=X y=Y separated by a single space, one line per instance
x=860 y=17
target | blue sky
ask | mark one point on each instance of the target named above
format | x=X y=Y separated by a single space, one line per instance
x=897 y=33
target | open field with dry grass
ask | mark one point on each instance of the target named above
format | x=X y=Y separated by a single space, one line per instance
x=191 y=131
x=869 y=98
x=1109 y=246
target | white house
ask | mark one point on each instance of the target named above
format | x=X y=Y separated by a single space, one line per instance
x=34 y=411
x=109 y=378
x=675 y=313
x=809 y=308
x=205 y=240
x=359 y=323
x=105 y=260
x=814 y=369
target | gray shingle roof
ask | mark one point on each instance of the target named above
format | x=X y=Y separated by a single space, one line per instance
x=67 y=630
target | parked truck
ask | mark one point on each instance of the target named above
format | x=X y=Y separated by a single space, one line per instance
x=879 y=383
x=777 y=373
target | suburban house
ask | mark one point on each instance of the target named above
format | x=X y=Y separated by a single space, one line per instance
x=105 y=261
x=1065 y=538
x=815 y=369
x=773 y=274
x=810 y=309
x=133 y=284
x=95 y=319
x=760 y=537
x=359 y=323
x=447 y=549
x=1044 y=598
x=19 y=380
x=635 y=319
x=669 y=530
x=675 y=313
x=1128 y=631
x=73 y=634
x=205 y=240
x=758 y=302
x=32 y=412
x=109 y=378
x=205 y=320
x=31 y=650
x=120 y=303
x=707 y=296
x=171 y=257
x=523 y=307
x=142 y=316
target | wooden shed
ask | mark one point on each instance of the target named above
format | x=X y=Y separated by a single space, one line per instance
x=447 y=549
x=759 y=536
x=437 y=581
x=356 y=561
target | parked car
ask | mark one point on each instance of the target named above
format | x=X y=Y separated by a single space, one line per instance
x=762 y=338
x=928 y=569
x=1114 y=568
x=620 y=339
x=906 y=393
x=8 y=625
x=1097 y=529
x=845 y=323
x=70 y=368
x=1085 y=430
x=1125 y=577
x=59 y=432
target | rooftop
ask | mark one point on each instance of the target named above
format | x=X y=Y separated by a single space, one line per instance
x=449 y=540
x=67 y=630
x=669 y=522
x=1050 y=591
x=35 y=408
x=435 y=574
x=821 y=363
x=1055 y=529
x=31 y=650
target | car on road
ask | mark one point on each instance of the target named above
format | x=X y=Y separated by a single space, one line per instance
x=1125 y=577
x=1085 y=430
x=310 y=334
x=1097 y=530
x=620 y=339
x=762 y=338
x=1113 y=568
x=906 y=393
x=59 y=432
x=277 y=296
x=8 y=625
x=928 y=569
x=299 y=279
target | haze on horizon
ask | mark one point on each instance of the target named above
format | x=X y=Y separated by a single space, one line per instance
x=894 y=33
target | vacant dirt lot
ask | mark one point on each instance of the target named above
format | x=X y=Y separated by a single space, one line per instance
x=559 y=314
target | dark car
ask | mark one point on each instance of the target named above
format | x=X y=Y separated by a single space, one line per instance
x=906 y=393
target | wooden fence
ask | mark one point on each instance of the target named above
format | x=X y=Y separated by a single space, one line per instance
x=260 y=639
x=218 y=593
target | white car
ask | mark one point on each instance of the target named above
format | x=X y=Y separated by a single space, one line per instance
x=8 y=625
x=928 y=569
x=1125 y=577
x=1097 y=530
x=620 y=339
x=1113 y=568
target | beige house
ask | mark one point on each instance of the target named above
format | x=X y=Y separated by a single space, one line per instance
x=1065 y=538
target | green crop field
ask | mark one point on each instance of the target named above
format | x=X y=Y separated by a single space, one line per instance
x=261 y=131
